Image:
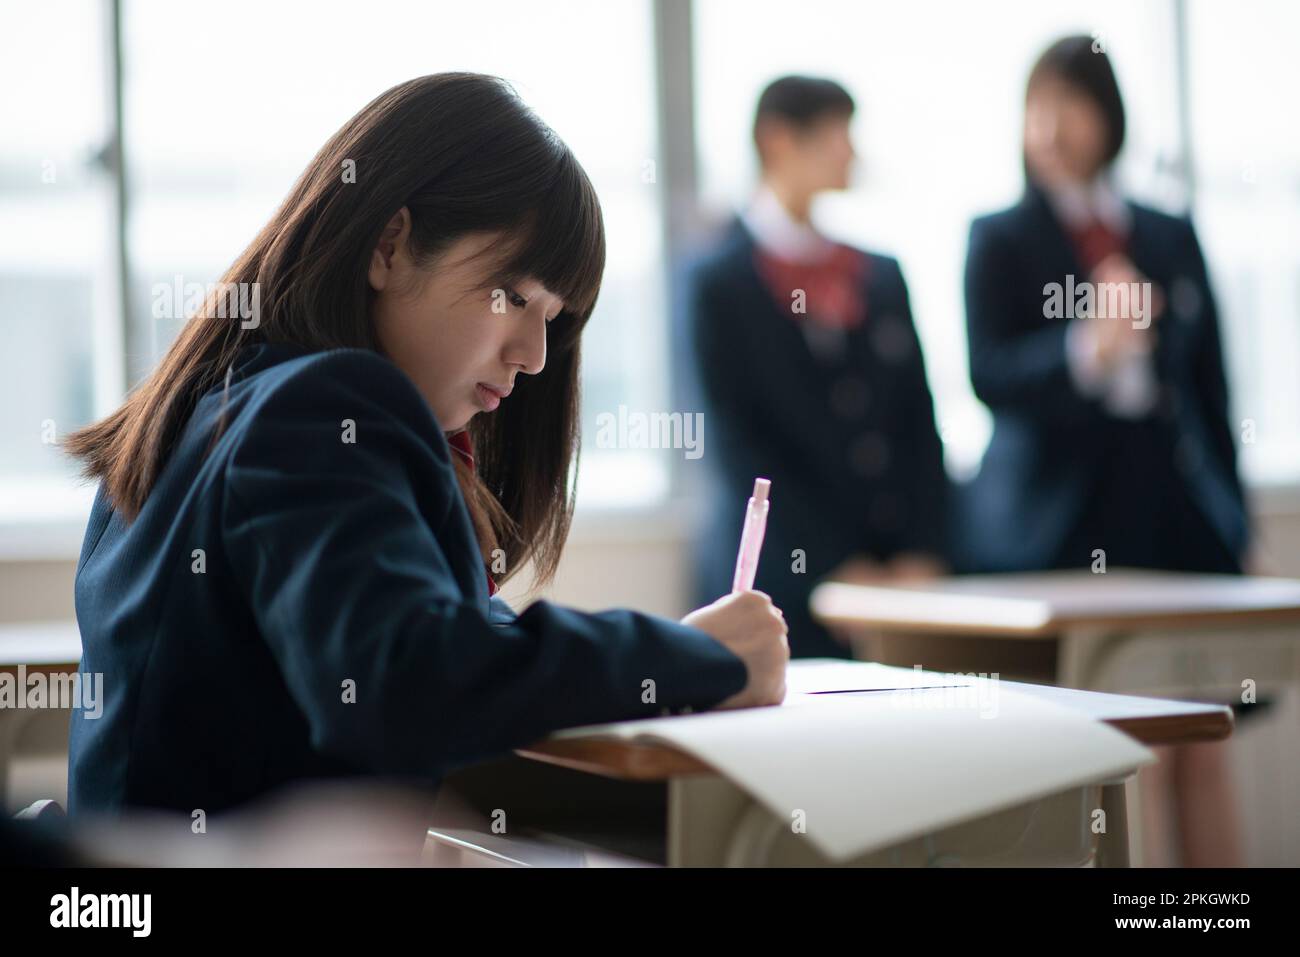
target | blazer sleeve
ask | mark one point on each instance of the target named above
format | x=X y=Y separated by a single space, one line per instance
x=394 y=668
x=1018 y=360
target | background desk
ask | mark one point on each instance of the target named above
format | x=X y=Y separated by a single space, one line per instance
x=1126 y=630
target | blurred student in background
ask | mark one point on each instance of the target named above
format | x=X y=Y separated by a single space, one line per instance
x=1110 y=431
x=1111 y=443
x=811 y=375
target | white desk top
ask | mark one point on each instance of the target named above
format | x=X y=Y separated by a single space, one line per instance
x=1043 y=603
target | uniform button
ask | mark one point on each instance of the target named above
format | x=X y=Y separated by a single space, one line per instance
x=869 y=455
x=849 y=397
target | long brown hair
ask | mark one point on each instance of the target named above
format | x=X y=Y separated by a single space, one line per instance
x=463 y=153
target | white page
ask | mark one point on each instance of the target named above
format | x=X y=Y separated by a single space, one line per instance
x=823 y=675
x=873 y=769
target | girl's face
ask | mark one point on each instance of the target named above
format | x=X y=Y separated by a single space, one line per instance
x=818 y=158
x=451 y=329
x=1065 y=133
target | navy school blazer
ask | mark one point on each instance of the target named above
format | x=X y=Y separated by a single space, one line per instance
x=846 y=434
x=1061 y=476
x=290 y=606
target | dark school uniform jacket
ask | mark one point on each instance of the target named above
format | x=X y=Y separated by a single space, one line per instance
x=290 y=605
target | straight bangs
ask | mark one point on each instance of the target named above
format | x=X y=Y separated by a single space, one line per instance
x=560 y=243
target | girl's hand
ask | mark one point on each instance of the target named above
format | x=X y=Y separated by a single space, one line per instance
x=1115 y=338
x=754 y=630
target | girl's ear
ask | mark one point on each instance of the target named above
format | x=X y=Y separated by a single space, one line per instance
x=391 y=245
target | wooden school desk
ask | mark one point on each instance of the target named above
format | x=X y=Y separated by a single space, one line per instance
x=673 y=809
x=1141 y=632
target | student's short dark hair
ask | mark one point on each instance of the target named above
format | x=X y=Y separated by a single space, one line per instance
x=801 y=101
x=1080 y=62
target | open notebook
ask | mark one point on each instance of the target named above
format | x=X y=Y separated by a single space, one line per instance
x=874 y=755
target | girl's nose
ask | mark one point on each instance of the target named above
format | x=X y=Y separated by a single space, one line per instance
x=527 y=348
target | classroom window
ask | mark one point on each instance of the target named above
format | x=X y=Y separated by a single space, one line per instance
x=59 y=367
x=1246 y=145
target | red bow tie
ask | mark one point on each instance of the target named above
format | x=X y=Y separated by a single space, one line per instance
x=1096 y=241
x=832 y=287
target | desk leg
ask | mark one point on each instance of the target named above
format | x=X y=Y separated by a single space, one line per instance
x=1137 y=836
x=1113 y=845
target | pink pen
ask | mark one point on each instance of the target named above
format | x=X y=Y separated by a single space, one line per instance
x=751 y=539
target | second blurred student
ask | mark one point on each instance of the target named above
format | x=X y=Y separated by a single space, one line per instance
x=811 y=375
x=1094 y=340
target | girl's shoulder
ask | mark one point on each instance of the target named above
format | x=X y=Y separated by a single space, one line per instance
x=282 y=402
x=266 y=367
x=303 y=381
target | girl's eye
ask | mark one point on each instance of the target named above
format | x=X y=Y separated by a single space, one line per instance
x=519 y=302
